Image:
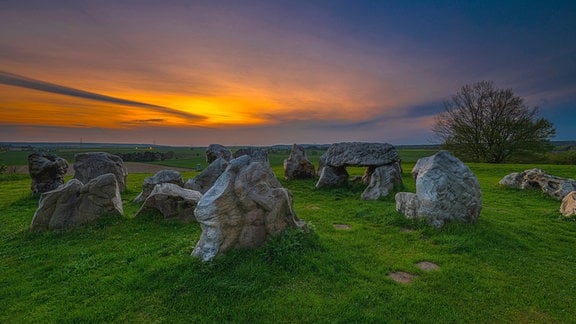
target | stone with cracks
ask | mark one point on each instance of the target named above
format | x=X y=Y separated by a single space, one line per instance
x=555 y=187
x=297 y=165
x=446 y=190
x=246 y=205
x=162 y=176
x=568 y=206
x=88 y=166
x=75 y=204
x=173 y=201
x=47 y=172
x=375 y=156
x=256 y=153
x=215 y=151
x=206 y=179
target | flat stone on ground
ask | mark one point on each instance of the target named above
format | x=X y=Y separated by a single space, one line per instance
x=427 y=266
x=345 y=227
x=402 y=277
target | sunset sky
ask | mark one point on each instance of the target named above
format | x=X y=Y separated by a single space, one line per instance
x=264 y=72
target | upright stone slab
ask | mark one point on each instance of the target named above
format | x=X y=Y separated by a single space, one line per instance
x=555 y=187
x=375 y=156
x=47 y=172
x=75 y=204
x=297 y=165
x=88 y=166
x=173 y=201
x=162 y=176
x=256 y=153
x=206 y=179
x=246 y=205
x=215 y=151
x=568 y=206
x=446 y=190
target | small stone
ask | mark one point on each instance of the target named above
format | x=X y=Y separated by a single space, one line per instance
x=344 y=227
x=402 y=277
x=568 y=206
x=427 y=266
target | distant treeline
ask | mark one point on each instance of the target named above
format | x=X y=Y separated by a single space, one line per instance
x=146 y=156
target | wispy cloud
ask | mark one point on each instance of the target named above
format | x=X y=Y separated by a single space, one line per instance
x=28 y=83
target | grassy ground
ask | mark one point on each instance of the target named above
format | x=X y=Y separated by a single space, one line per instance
x=515 y=265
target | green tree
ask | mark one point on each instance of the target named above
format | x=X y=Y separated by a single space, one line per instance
x=484 y=124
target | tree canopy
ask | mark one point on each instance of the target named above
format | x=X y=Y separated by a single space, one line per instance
x=485 y=124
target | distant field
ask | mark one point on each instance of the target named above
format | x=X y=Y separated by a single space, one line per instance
x=515 y=265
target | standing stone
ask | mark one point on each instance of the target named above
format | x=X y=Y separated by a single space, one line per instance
x=568 y=206
x=297 y=166
x=446 y=189
x=75 y=204
x=215 y=151
x=47 y=171
x=162 y=176
x=256 y=153
x=555 y=187
x=205 y=180
x=88 y=166
x=332 y=177
x=173 y=201
x=246 y=205
x=382 y=181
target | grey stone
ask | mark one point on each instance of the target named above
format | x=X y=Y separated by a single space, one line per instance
x=554 y=186
x=446 y=190
x=297 y=165
x=173 y=201
x=568 y=206
x=215 y=151
x=256 y=153
x=332 y=177
x=47 y=172
x=162 y=176
x=206 y=179
x=360 y=154
x=75 y=204
x=382 y=181
x=246 y=205
x=88 y=166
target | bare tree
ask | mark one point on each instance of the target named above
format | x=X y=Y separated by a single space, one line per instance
x=482 y=123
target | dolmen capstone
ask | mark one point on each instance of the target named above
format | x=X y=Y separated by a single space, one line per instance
x=206 y=179
x=162 y=176
x=75 y=204
x=173 y=201
x=256 y=153
x=568 y=206
x=246 y=205
x=297 y=165
x=47 y=172
x=555 y=187
x=446 y=190
x=382 y=162
x=88 y=166
x=215 y=151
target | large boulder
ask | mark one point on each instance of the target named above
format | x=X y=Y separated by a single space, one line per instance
x=332 y=167
x=215 y=151
x=206 y=179
x=554 y=186
x=88 y=166
x=446 y=189
x=568 y=206
x=47 y=172
x=246 y=205
x=173 y=201
x=297 y=165
x=256 y=153
x=75 y=204
x=162 y=176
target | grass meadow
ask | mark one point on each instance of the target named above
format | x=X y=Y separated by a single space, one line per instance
x=515 y=265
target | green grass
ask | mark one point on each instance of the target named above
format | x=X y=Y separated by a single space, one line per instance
x=515 y=265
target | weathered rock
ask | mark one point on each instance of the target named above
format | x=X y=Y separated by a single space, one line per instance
x=88 y=166
x=47 y=171
x=446 y=189
x=162 y=176
x=256 y=153
x=332 y=166
x=568 y=206
x=173 y=201
x=246 y=205
x=215 y=151
x=382 y=181
x=297 y=165
x=75 y=204
x=554 y=186
x=205 y=180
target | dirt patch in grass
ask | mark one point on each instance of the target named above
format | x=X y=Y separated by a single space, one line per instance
x=402 y=277
x=344 y=227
